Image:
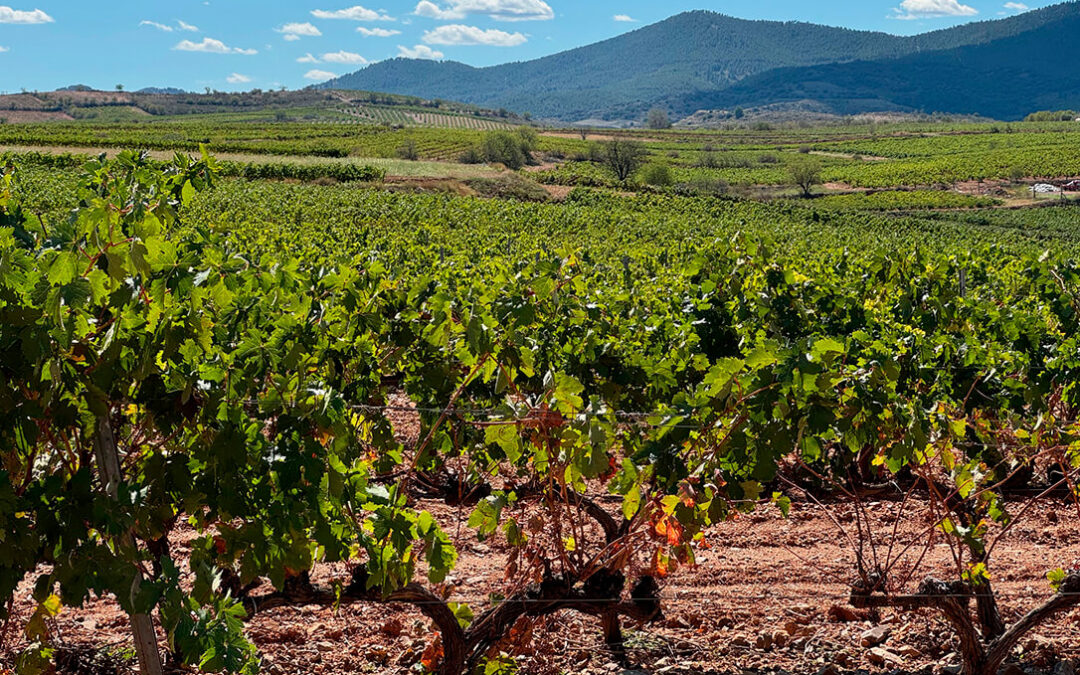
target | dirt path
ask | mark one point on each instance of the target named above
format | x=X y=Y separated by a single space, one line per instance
x=845 y=155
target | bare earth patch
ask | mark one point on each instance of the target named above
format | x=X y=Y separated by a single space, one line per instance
x=768 y=594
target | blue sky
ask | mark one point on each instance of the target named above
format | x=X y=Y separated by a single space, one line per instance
x=244 y=44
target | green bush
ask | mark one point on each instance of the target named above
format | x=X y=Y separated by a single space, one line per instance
x=658 y=175
x=503 y=147
x=408 y=150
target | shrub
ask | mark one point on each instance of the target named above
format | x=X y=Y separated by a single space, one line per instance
x=509 y=186
x=506 y=148
x=658 y=175
x=472 y=155
x=408 y=150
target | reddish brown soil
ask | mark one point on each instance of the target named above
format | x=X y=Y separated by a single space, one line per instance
x=32 y=116
x=765 y=597
x=769 y=594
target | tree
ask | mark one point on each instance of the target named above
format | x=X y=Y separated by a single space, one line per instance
x=658 y=119
x=119 y=87
x=624 y=157
x=805 y=174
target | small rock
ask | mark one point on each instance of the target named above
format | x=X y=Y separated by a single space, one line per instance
x=1064 y=668
x=875 y=636
x=841 y=614
x=909 y=652
x=764 y=642
x=829 y=670
x=881 y=657
x=741 y=641
x=780 y=639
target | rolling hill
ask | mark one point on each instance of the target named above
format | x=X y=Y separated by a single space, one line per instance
x=1005 y=79
x=688 y=61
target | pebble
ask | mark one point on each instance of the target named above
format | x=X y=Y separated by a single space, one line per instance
x=881 y=657
x=875 y=636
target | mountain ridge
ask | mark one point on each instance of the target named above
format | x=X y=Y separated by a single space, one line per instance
x=622 y=77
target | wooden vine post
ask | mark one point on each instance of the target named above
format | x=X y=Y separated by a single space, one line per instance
x=142 y=625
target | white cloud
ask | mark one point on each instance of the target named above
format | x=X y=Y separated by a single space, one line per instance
x=237 y=78
x=924 y=9
x=155 y=24
x=419 y=52
x=356 y=13
x=295 y=31
x=345 y=57
x=624 y=18
x=456 y=34
x=1016 y=7
x=22 y=16
x=376 y=32
x=168 y=29
x=500 y=10
x=4 y=49
x=308 y=58
x=319 y=75
x=212 y=46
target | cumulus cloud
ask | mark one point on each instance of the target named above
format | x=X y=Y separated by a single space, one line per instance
x=308 y=58
x=376 y=32
x=457 y=34
x=355 y=13
x=925 y=9
x=22 y=16
x=500 y=10
x=625 y=18
x=345 y=57
x=212 y=46
x=295 y=31
x=237 y=78
x=419 y=52
x=319 y=75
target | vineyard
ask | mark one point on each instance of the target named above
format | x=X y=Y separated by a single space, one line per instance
x=242 y=413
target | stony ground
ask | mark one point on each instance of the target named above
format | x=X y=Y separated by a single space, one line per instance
x=769 y=594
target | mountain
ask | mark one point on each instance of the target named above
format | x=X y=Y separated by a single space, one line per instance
x=1005 y=79
x=686 y=61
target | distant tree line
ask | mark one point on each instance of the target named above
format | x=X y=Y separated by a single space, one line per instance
x=1053 y=116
